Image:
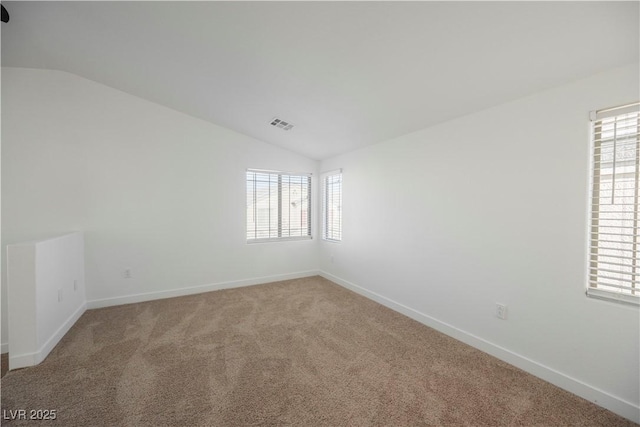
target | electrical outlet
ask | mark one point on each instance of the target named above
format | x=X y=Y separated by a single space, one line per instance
x=501 y=311
x=59 y=295
x=127 y=274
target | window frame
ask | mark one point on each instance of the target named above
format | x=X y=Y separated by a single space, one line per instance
x=280 y=174
x=325 y=211
x=596 y=211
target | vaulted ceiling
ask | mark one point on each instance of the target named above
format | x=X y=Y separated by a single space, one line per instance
x=345 y=74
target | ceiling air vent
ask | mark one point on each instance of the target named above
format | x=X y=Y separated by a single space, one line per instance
x=279 y=123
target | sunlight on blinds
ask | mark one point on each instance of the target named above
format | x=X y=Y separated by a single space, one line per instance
x=332 y=206
x=278 y=205
x=614 y=256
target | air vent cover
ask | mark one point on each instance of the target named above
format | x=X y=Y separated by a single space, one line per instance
x=279 y=123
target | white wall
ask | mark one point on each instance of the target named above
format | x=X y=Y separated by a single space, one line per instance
x=154 y=190
x=46 y=287
x=443 y=223
x=491 y=207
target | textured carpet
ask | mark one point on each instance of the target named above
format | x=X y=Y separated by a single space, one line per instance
x=300 y=352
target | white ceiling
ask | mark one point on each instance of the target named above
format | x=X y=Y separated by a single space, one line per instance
x=347 y=74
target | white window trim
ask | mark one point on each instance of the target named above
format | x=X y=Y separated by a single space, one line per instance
x=591 y=291
x=612 y=296
x=278 y=239
x=323 y=177
x=310 y=207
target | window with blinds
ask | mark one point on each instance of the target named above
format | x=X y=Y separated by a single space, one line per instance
x=332 y=206
x=614 y=251
x=278 y=206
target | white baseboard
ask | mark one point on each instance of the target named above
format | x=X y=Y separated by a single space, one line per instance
x=61 y=332
x=577 y=387
x=17 y=361
x=23 y=360
x=4 y=347
x=149 y=296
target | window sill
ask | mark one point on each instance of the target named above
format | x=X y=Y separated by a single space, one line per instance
x=279 y=239
x=331 y=240
x=613 y=297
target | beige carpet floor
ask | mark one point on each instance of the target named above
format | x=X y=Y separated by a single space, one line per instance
x=301 y=352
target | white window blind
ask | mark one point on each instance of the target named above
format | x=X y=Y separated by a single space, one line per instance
x=278 y=206
x=332 y=206
x=614 y=250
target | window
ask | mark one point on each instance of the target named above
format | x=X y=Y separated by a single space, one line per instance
x=332 y=206
x=278 y=206
x=614 y=241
